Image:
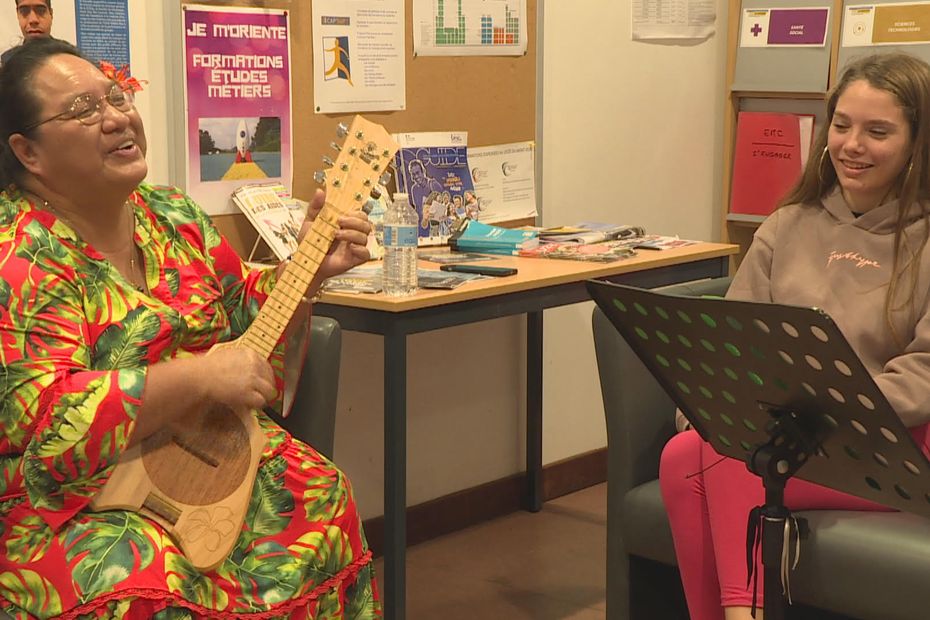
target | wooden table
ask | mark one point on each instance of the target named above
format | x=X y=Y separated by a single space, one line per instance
x=540 y=283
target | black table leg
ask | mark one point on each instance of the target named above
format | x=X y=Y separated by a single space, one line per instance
x=534 y=415
x=395 y=474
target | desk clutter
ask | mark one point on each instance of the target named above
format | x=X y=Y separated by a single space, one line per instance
x=450 y=214
x=369 y=279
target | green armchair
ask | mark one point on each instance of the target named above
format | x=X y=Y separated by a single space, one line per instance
x=313 y=415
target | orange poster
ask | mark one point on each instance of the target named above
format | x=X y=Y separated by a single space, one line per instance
x=901 y=23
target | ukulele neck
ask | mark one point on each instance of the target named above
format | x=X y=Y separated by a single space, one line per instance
x=266 y=330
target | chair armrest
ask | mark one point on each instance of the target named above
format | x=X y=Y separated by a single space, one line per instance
x=313 y=415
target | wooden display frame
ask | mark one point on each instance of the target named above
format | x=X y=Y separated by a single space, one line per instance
x=740 y=230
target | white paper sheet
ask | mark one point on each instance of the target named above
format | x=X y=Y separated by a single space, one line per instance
x=358 y=56
x=505 y=180
x=673 y=19
x=469 y=27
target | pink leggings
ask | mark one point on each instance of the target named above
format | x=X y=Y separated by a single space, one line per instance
x=708 y=510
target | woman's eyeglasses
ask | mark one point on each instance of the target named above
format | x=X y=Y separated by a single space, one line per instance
x=88 y=110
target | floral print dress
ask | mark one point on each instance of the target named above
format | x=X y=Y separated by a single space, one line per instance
x=76 y=339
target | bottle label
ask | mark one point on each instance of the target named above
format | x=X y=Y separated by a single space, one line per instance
x=400 y=236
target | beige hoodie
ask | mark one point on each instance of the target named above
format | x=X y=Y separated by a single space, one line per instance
x=823 y=256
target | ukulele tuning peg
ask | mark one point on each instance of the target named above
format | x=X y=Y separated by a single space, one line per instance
x=328 y=162
x=359 y=135
x=367 y=208
x=320 y=177
x=375 y=193
x=385 y=178
x=344 y=167
x=335 y=146
x=358 y=196
x=337 y=183
x=341 y=130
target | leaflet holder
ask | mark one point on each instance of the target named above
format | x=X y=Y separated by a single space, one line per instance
x=779 y=388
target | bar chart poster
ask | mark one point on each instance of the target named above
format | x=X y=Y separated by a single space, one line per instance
x=469 y=27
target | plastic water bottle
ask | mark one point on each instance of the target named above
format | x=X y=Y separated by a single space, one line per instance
x=400 y=248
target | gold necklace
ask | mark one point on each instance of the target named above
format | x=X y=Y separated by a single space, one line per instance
x=137 y=279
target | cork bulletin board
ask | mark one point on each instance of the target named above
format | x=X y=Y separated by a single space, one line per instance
x=492 y=98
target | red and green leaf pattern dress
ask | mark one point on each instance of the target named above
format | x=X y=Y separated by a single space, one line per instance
x=76 y=339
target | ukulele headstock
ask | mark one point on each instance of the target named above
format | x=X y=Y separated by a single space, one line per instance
x=364 y=158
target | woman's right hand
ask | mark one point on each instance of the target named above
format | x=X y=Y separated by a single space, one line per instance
x=237 y=377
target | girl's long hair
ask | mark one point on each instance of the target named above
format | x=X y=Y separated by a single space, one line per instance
x=907 y=79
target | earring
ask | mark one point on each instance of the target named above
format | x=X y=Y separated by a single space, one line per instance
x=820 y=165
x=907 y=175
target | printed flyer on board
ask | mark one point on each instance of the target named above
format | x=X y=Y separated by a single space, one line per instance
x=238 y=99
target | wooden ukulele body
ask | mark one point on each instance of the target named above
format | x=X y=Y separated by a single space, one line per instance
x=194 y=478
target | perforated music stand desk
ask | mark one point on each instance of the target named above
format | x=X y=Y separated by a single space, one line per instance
x=779 y=388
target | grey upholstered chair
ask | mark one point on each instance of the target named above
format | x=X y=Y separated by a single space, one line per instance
x=872 y=566
x=313 y=416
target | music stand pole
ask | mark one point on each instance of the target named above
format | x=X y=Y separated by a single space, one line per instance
x=775 y=462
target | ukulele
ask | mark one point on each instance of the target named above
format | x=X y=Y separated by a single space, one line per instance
x=195 y=477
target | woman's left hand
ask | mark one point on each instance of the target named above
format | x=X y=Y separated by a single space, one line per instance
x=349 y=246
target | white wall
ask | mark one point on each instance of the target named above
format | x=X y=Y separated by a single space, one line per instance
x=630 y=133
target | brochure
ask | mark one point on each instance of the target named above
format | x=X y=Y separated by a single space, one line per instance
x=595 y=232
x=277 y=224
x=432 y=169
x=484 y=238
x=604 y=252
x=504 y=176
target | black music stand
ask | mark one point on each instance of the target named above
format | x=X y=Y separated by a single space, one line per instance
x=780 y=388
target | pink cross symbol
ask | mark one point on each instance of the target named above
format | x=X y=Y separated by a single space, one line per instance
x=755 y=30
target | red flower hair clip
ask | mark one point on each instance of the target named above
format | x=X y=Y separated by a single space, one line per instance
x=121 y=76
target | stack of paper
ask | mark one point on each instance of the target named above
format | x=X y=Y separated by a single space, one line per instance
x=483 y=238
x=592 y=232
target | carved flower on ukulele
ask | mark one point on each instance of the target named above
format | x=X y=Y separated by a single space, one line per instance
x=211 y=525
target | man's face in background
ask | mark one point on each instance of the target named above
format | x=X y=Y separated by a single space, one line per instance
x=35 y=18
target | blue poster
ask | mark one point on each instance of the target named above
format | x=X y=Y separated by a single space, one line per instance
x=103 y=30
